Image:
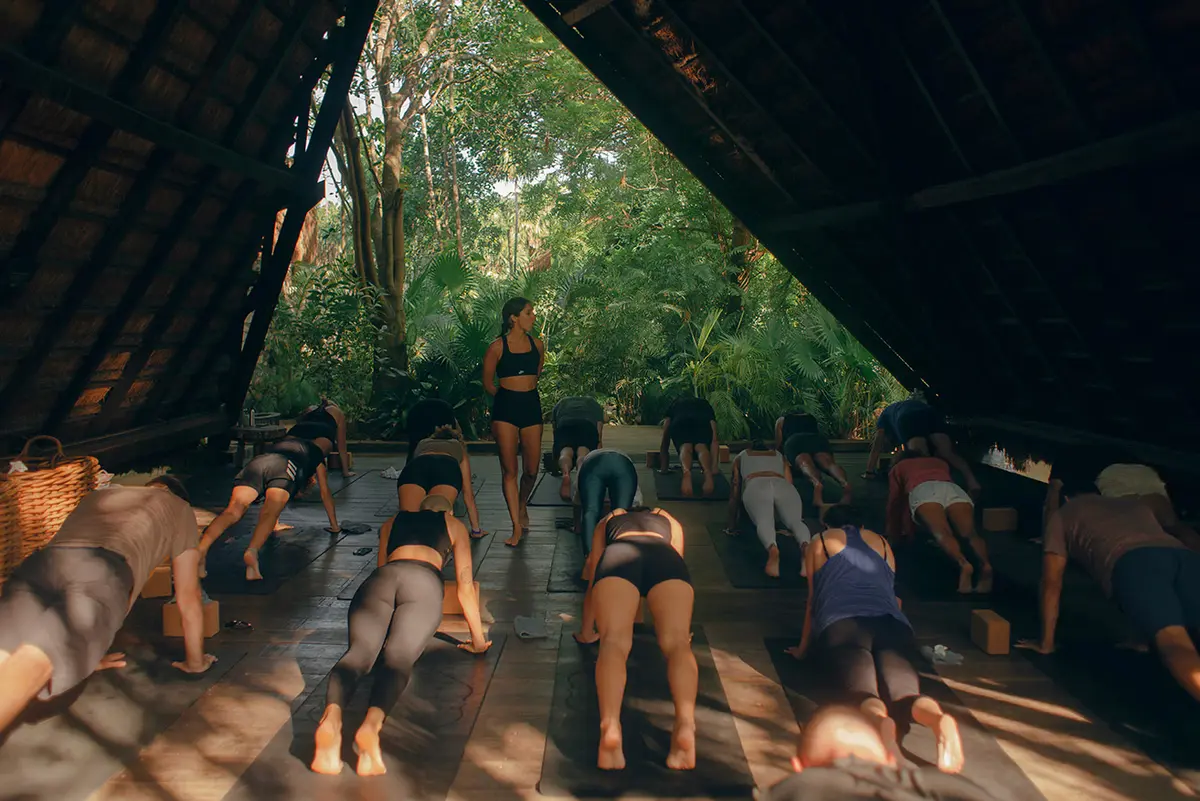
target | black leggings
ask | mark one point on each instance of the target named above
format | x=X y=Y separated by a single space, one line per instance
x=396 y=610
x=871 y=657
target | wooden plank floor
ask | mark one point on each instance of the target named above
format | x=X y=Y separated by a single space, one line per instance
x=300 y=632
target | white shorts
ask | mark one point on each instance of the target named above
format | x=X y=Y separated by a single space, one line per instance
x=1122 y=480
x=943 y=493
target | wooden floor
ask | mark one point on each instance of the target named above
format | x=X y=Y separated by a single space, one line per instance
x=300 y=631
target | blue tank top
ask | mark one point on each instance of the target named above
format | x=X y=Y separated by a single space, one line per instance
x=855 y=582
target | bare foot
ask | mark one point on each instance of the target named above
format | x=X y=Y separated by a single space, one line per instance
x=328 y=757
x=985 y=581
x=846 y=496
x=611 y=755
x=370 y=758
x=818 y=495
x=282 y=527
x=965 y=572
x=772 y=568
x=949 y=746
x=683 y=747
x=709 y=484
x=564 y=491
x=685 y=485
x=512 y=541
x=887 y=733
x=524 y=517
x=250 y=557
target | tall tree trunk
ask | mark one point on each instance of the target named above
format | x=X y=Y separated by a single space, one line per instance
x=348 y=153
x=516 y=219
x=454 y=195
x=433 y=201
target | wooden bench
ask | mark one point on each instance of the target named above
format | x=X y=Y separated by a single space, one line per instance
x=257 y=436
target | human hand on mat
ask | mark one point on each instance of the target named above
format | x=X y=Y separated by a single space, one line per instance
x=797 y=651
x=1035 y=645
x=587 y=639
x=204 y=665
x=333 y=530
x=470 y=646
x=113 y=660
x=730 y=531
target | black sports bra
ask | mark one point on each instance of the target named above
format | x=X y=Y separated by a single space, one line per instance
x=421 y=528
x=314 y=429
x=646 y=522
x=512 y=364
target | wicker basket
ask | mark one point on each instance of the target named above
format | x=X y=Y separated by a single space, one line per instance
x=33 y=505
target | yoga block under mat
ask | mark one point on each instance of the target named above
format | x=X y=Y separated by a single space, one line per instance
x=743 y=558
x=66 y=748
x=647 y=717
x=159 y=583
x=173 y=621
x=423 y=739
x=1002 y=518
x=987 y=764
x=667 y=486
x=990 y=632
x=450 y=604
x=545 y=492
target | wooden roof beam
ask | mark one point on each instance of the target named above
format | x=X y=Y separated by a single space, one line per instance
x=584 y=10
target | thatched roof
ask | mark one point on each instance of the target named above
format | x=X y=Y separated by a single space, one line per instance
x=143 y=158
x=998 y=197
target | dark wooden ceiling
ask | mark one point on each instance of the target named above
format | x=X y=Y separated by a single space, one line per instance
x=998 y=197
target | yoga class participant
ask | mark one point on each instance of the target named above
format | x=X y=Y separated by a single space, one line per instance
x=426 y=416
x=439 y=465
x=920 y=490
x=515 y=361
x=799 y=439
x=393 y=615
x=284 y=471
x=762 y=482
x=691 y=424
x=905 y=421
x=604 y=472
x=578 y=428
x=854 y=629
x=638 y=553
x=64 y=604
x=325 y=420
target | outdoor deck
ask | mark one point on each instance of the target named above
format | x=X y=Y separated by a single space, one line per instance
x=245 y=732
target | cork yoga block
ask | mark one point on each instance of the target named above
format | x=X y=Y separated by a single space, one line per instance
x=159 y=583
x=990 y=632
x=450 y=604
x=173 y=623
x=723 y=454
x=334 y=461
x=1000 y=518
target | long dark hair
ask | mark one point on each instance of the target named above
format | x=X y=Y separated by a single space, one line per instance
x=511 y=309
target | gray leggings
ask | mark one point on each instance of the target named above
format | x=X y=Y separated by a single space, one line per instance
x=766 y=496
x=396 y=610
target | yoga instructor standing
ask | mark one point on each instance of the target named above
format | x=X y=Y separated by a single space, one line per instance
x=514 y=361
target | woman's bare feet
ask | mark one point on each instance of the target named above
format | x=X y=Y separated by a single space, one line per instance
x=685 y=484
x=564 y=491
x=611 y=755
x=328 y=757
x=709 y=484
x=524 y=518
x=846 y=496
x=370 y=758
x=985 y=580
x=772 y=568
x=683 y=747
x=965 y=572
x=515 y=539
x=949 y=745
x=818 y=495
x=887 y=733
x=250 y=557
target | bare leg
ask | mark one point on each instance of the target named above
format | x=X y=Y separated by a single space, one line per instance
x=273 y=504
x=826 y=462
x=506 y=444
x=805 y=464
x=877 y=711
x=708 y=461
x=565 y=461
x=22 y=677
x=616 y=606
x=933 y=516
x=685 y=462
x=671 y=605
x=366 y=744
x=929 y=714
x=772 y=568
x=962 y=518
x=531 y=461
x=327 y=758
x=239 y=501
x=1178 y=653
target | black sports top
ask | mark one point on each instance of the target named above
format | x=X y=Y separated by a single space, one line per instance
x=314 y=429
x=515 y=364
x=799 y=423
x=644 y=522
x=421 y=528
x=303 y=453
x=319 y=415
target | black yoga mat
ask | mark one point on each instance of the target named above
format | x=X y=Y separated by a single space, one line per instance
x=546 y=492
x=567 y=563
x=744 y=558
x=336 y=485
x=479 y=550
x=68 y=747
x=423 y=739
x=986 y=762
x=284 y=555
x=647 y=717
x=1133 y=693
x=667 y=486
x=925 y=573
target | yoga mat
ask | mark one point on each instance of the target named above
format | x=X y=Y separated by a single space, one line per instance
x=647 y=717
x=479 y=550
x=66 y=748
x=668 y=486
x=284 y=555
x=567 y=563
x=336 y=485
x=460 y=507
x=546 y=492
x=744 y=558
x=1133 y=693
x=925 y=573
x=423 y=739
x=986 y=762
